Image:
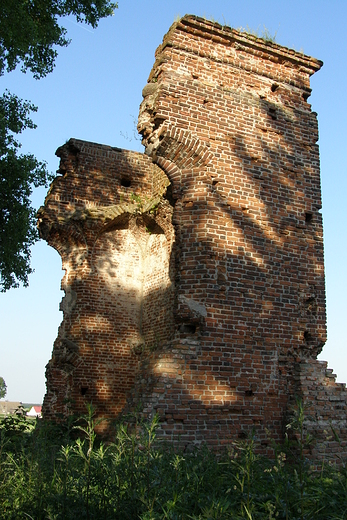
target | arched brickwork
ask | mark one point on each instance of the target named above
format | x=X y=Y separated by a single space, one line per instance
x=194 y=283
x=115 y=239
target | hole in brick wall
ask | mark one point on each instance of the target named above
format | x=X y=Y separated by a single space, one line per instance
x=125 y=182
x=272 y=113
x=249 y=393
x=157 y=122
x=242 y=435
x=308 y=218
x=214 y=182
x=306 y=95
x=169 y=196
x=150 y=225
x=274 y=87
x=310 y=300
x=153 y=229
x=187 y=328
x=84 y=390
x=307 y=336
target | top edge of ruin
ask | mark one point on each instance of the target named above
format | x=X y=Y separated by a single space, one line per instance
x=80 y=145
x=228 y=36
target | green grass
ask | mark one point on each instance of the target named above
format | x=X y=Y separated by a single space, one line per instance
x=65 y=472
x=262 y=33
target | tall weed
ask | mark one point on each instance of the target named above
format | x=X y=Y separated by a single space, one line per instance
x=48 y=472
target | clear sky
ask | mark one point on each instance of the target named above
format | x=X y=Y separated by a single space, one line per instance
x=94 y=94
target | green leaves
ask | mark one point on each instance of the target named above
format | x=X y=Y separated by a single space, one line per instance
x=3 y=388
x=30 y=30
x=18 y=174
x=48 y=474
x=29 y=35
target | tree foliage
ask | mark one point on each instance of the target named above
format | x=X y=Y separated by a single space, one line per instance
x=30 y=32
x=18 y=173
x=3 y=388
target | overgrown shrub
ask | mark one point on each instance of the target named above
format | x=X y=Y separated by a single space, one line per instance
x=47 y=472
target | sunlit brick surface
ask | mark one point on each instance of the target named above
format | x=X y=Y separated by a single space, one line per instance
x=194 y=274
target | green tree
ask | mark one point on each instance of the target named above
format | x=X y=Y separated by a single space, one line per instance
x=30 y=32
x=17 y=175
x=3 y=388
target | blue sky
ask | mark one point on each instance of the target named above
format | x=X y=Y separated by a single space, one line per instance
x=94 y=94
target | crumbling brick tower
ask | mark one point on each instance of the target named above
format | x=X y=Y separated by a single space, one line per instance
x=194 y=274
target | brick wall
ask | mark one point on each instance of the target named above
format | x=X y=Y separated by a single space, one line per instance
x=194 y=274
x=105 y=216
x=325 y=406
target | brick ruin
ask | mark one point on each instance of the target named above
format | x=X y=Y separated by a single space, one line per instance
x=194 y=273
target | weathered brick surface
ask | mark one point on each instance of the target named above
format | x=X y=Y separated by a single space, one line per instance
x=106 y=217
x=325 y=410
x=203 y=300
